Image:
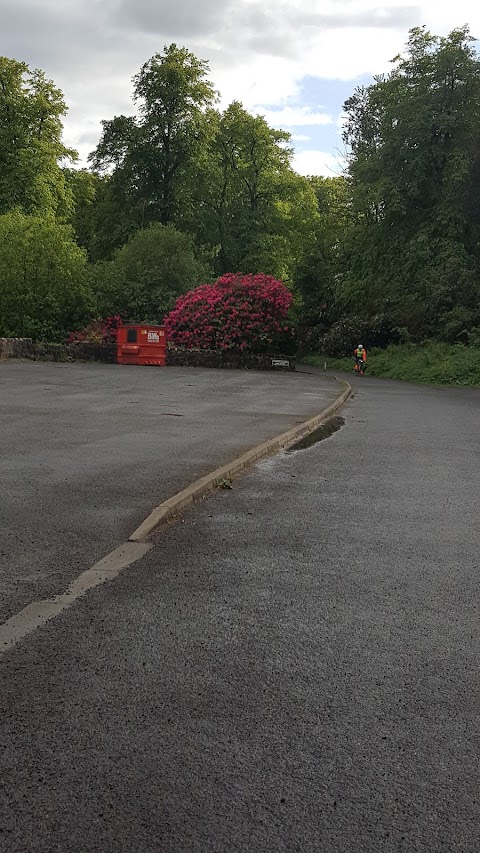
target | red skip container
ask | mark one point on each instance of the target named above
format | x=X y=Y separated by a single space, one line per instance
x=142 y=345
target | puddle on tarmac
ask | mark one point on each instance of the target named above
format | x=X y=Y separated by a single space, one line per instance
x=324 y=431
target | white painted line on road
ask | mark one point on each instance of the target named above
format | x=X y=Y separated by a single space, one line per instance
x=38 y=613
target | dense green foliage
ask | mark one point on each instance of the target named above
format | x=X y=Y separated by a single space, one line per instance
x=43 y=291
x=85 y=188
x=252 y=212
x=414 y=174
x=146 y=275
x=182 y=192
x=31 y=111
x=151 y=159
x=397 y=257
x=432 y=363
x=225 y=178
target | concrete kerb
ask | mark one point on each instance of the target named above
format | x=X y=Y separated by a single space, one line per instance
x=172 y=507
x=38 y=613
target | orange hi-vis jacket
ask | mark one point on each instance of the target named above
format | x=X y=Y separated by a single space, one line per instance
x=360 y=353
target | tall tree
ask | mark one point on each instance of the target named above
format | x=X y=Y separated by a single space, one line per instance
x=319 y=266
x=252 y=208
x=85 y=187
x=31 y=112
x=413 y=138
x=150 y=157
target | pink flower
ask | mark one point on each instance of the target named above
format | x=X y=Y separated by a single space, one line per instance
x=237 y=311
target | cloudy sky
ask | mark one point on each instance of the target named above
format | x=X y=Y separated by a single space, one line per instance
x=294 y=61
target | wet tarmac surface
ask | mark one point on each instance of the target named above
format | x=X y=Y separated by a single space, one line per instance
x=87 y=451
x=292 y=668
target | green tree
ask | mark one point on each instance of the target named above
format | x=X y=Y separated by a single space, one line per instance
x=31 y=111
x=147 y=274
x=225 y=178
x=85 y=187
x=319 y=267
x=43 y=289
x=414 y=141
x=252 y=208
x=150 y=157
x=116 y=214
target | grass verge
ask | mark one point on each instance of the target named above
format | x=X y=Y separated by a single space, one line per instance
x=431 y=364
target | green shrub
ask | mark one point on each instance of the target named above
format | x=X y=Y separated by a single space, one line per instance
x=43 y=286
x=474 y=337
x=431 y=363
x=157 y=265
x=348 y=332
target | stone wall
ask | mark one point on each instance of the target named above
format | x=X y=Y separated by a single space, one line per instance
x=106 y=353
x=77 y=351
x=16 y=348
x=84 y=351
x=228 y=359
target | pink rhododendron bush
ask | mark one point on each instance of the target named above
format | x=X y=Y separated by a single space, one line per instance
x=238 y=312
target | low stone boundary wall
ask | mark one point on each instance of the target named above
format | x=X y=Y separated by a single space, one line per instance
x=229 y=359
x=16 y=348
x=77 y=351
x=106 y=353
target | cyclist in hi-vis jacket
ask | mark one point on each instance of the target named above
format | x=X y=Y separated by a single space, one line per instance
x=360 y=354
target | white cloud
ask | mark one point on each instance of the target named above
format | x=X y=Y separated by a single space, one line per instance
x=259 y=50
x=300 y=137
x=294 y=117
x=314 y=162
